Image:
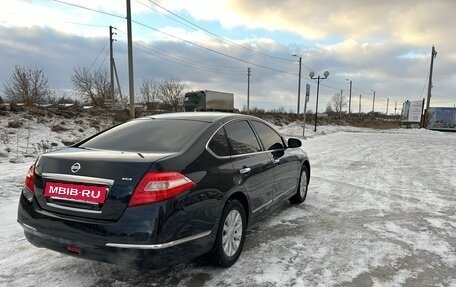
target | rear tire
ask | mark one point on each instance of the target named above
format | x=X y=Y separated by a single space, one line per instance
x=301 y=192
x=230 y=235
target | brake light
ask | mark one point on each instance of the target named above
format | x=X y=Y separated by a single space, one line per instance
x=30 y=179
x=159 y=186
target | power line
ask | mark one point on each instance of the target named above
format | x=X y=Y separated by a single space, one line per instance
x=331 y=87
x=268 y=79
x=85 y=24
x=102 y=49
x=178 y=58
x=192 y=43
x=169 y=35
x=212 y=50
x=90 y=9
x=104 y=59
x=167 y=16
x=425 y=84
x=189 y=64
x=187 y=41
x=218 y=36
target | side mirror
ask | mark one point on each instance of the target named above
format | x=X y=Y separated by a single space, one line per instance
x=293 y=142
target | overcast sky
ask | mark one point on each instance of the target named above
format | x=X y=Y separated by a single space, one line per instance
x=380 y=45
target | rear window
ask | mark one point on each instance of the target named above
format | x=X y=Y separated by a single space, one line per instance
x=151 y=135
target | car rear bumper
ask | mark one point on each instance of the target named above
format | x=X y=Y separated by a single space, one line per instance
x=131 y=257
x=125 y=242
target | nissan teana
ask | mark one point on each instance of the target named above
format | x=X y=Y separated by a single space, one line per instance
x=162 y=189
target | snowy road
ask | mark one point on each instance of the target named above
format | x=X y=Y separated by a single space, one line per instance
x=380 y=212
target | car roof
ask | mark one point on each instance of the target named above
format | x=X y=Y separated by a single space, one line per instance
x=209 y=117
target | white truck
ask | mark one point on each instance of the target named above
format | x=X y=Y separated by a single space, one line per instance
x=206 y=100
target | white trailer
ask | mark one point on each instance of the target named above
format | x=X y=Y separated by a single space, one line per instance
x=207 y=100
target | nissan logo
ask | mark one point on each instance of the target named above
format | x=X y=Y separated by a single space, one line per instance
x=75 y=167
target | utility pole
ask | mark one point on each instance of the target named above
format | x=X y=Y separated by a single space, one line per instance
x=423 y=122
x=373 y=104
x=299 y=86
x=341 y=102
x=349 y=98
x=359 y=109
x=248 y=89
x=305 y=110
x=319 y=79
x=130 y=62
x=395 y=107
x=433 y=55
x=387 y=104
x=111 y=65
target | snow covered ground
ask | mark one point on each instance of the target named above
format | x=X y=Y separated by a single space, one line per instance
x=380 y=212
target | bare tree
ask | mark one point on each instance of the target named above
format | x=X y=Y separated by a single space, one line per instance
x=338 y=102
x=171 y=92
x=149 y=92
x=94 y=85
x=28 y=86
x=329 y=109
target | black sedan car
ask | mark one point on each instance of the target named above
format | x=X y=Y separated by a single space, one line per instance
x=162 y=189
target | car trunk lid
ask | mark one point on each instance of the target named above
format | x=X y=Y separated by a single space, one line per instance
x=90 y=183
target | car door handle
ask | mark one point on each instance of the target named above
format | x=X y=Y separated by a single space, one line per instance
x=276 y=161
x=245 y=170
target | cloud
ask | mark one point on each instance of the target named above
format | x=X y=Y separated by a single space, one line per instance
x=410 y=21
x=383 y=46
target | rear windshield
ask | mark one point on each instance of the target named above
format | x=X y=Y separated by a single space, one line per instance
x=147 y=135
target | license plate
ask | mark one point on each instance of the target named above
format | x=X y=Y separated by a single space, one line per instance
x=77 y=192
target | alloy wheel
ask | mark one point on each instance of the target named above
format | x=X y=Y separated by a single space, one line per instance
x=303 y=184
x=232 y=233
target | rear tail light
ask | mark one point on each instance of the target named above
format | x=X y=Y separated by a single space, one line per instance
x=159 y=186
x=30 y=179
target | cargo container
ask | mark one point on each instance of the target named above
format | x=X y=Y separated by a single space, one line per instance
x=206 y=100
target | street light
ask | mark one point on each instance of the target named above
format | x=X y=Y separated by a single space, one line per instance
x=349 y=97
x=318 y=78
x=299 y=84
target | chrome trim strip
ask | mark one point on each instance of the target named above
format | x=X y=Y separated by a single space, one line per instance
x=159 y=246
x=26 y=226
x=73 y=200
x=78 y=178
x=73 y=208
x=284 y=193
x=236 y=155
x=262 y=206
x=245 y=170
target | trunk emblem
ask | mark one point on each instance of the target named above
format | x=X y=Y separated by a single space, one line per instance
x=75 y=167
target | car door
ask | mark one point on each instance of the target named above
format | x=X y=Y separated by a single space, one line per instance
x=286 y=166
x=255 y=166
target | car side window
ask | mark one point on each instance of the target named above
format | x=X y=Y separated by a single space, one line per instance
x=270 y=139
x=219 y=144
x=241 y=138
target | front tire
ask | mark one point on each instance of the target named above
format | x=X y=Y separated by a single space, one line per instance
x=230 y=235
x=301 y=192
